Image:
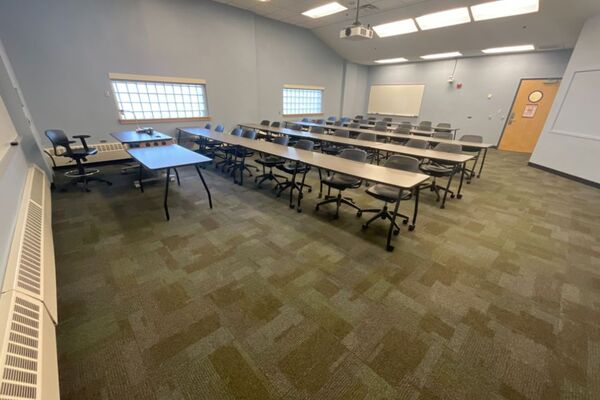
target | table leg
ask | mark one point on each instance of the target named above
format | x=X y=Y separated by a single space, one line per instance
x=388 y=246
x=292 y=186
x=448 y=187
x=140 y=178
x=167 y=193
x=482 y=162
x=298 y=208
x=462 y=178
x=205 y=186
x=178 y=136
x=412 y=226
x=177 y=175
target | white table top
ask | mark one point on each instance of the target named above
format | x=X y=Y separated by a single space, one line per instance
x=375 y=173
x=388 y=147
x=403 y=135
x=169 y=156
x=129 y=137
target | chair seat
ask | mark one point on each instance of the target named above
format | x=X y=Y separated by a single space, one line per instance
x=290 y=167
x=341 y=181
x=270 y=161
x=332 y=150
x=82 y=152
x=387 y=193
x=437 y=170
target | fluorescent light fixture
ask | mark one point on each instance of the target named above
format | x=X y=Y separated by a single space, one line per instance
x=504 y=8
x=455 y=16
x=509 y=49
x=391 y=60
x=325 y=10
x=396 y=28
x=441 y=55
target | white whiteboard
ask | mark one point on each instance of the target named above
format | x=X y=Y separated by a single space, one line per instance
x=400 y=100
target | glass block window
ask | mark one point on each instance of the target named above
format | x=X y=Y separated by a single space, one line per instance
x=155 y=100
x=302 y=101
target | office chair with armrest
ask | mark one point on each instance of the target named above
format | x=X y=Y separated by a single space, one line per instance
x=440 y=170
x=342 y=182
x=209 y=147
x=473 y=150
x=79 y=175
x=294 y=168
x=389 y=194
x=268 y=161
x=225 y=151
x=240 y=154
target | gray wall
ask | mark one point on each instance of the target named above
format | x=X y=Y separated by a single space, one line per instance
x=355 y=89
x=570 y=141
x=469 y=108
x=15 y=163
x=66 y=48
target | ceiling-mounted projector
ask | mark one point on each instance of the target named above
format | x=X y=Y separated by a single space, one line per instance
x=357 y=31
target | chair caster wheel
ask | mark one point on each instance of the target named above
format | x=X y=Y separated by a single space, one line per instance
x=389 y=248
x=317 y=208
x=396 y=232
x=405 y=222
x=452 y=196
x=468 y=182
x=109 y=183
x=359 y=213
x=299 y=210
x=309 y=190
x=364 y=227
x=382 y=217
x=459 y=196
x=336 y=216
x=292 y=206
x=278 y=194
x=442 y=207
x=411 y=228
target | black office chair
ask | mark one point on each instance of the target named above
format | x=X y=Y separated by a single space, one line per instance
x=225 y=152
x=389 y=194
x=372 y=154
x=335 y=149
x=295 y=168
x=440 y=170
x=268 y=161
x=240 y=154
x=342 y=182
x=79 y=175
x=473 y=150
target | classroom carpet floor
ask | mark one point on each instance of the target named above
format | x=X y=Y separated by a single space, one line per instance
x=495 y=297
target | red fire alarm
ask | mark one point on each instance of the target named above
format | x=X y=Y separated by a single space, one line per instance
x=459 y=85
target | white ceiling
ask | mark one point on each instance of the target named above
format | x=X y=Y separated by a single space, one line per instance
x=555 y=26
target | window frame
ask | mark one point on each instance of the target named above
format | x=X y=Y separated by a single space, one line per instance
x=112 y=77
x=302 y=87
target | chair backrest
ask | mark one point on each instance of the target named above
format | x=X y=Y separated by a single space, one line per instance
x=58 y=139
x=354 y=125
x=338 y=123
x=381 y=123
x=275 y=124
x=282 y=140
x=236 y=132
x=295 y=127
x=380 y=128
x=403 y=129
x=305 y=120
x=443 y=125
x=472 y=138
x=404 y=163
x=448 y=147
x=331 y=119
x=220 y=128
x=425 y=124
x=345 y=119
x=371 y=137
x=320 y=121
x=305 y=144
x=372 y=118
x=416 y=143
x=249 y=134
x=265 y=122
x=354 y=155
x=317 y=129
x=442 y=135
x=341 y=133
x=387 y=119
x=207 y=126
x=359 y=117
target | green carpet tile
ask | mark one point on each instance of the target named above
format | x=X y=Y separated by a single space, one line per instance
x=495 y=297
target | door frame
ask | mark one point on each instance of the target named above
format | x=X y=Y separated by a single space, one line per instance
x=515 y=99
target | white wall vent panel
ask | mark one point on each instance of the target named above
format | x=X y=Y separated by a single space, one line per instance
x=28 y=360
x=113 y=151
x=31 y=265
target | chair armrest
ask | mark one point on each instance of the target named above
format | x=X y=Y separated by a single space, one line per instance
x=82 y=139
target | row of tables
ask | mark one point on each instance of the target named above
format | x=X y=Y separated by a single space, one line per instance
x=417 y=135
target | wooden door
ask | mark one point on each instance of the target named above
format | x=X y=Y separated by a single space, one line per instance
x=528 y=114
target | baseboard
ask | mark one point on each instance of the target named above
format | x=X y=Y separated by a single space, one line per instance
x=565 y=175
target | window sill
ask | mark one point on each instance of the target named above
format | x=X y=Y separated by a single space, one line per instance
x=161 y=120
x=302 y=115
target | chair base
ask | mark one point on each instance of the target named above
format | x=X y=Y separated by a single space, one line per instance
x=85 y=180
x=384 y=214
x=339 y=200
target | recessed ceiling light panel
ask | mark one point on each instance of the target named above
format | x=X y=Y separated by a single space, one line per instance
x=504 y=8
x=391 y=60
x=441 y=55
x=396 y=28
x=325 y=10
x=509 y=49
x=455 y=16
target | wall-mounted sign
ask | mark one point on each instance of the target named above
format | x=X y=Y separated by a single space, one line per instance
x=529 y=111
x=535 y=96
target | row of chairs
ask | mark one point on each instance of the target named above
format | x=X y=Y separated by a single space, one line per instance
x=382 y=125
